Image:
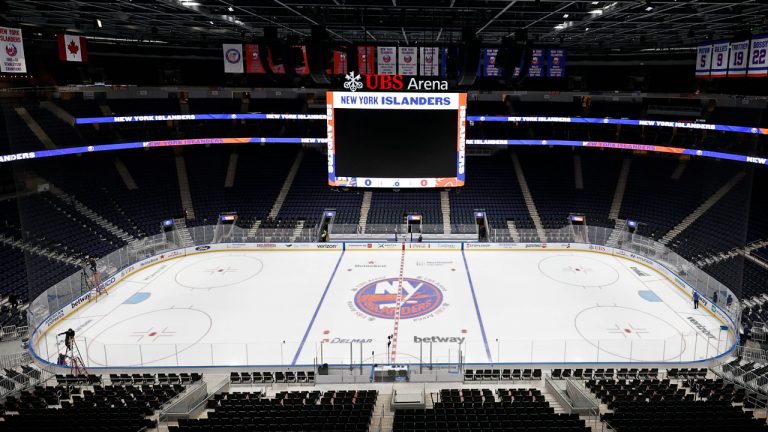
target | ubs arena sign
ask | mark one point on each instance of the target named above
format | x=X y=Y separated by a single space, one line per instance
x=354 y=82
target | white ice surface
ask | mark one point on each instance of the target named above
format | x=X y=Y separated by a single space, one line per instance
x=284 y=307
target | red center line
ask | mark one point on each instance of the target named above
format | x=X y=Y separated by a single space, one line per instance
x=398 y=304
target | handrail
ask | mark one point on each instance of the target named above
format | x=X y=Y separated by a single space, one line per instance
x=198 y=392
x=570 y=385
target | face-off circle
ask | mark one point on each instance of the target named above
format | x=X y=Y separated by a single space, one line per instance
x=379 y=298
x=578 y=271
x=629 y=334
x=162 y=335
x=219 y=272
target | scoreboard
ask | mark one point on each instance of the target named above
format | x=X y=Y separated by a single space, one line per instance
x=396 y=140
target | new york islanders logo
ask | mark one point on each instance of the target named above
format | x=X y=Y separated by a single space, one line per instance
x=379 y=298
x=11 y=50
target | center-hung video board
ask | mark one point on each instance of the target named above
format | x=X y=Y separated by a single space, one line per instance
x=396 y=140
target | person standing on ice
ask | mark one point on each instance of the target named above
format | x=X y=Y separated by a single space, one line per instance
x=695 y=300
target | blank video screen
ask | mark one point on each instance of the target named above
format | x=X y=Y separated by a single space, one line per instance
x=387 y=143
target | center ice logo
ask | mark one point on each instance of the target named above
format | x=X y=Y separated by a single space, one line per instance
x=379 y=298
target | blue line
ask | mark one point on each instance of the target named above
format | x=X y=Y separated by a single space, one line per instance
x=314 y=315
x=477 y=309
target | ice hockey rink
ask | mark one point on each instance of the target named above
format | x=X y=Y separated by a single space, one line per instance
x=352 y=305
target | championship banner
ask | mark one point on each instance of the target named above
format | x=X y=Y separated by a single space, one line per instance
x=252 y=60
x=556 y=63
x=518 y=68
x=703 y=60
x=488 y=62
x=719 y=66
x=303 y=68
x=536 y=69
x=339 y=62
x=758 y=59
x=737 y=60
x=429 y=61
x=365 y=60
x=13 y=51
x=233 y=58
x=276 y=69
x=253 y=64
x=387 y=57
x=408 y=61
x=72 y=48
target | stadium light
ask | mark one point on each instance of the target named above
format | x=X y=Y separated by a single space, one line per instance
x=98 y=23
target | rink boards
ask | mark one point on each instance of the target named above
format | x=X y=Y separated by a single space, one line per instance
x=302 y=304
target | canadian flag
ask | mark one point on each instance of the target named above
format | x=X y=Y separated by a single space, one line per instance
x=72 y=48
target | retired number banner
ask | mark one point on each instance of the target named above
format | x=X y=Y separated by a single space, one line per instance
x=703 y=60
x=758 y=59
x=719 y=66
x=737 y=59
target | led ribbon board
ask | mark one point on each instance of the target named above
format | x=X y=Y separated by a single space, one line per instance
x=512 y=119
x=187 y=117
x=479 y=142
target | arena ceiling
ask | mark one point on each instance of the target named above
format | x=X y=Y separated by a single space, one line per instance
x=608 y=24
